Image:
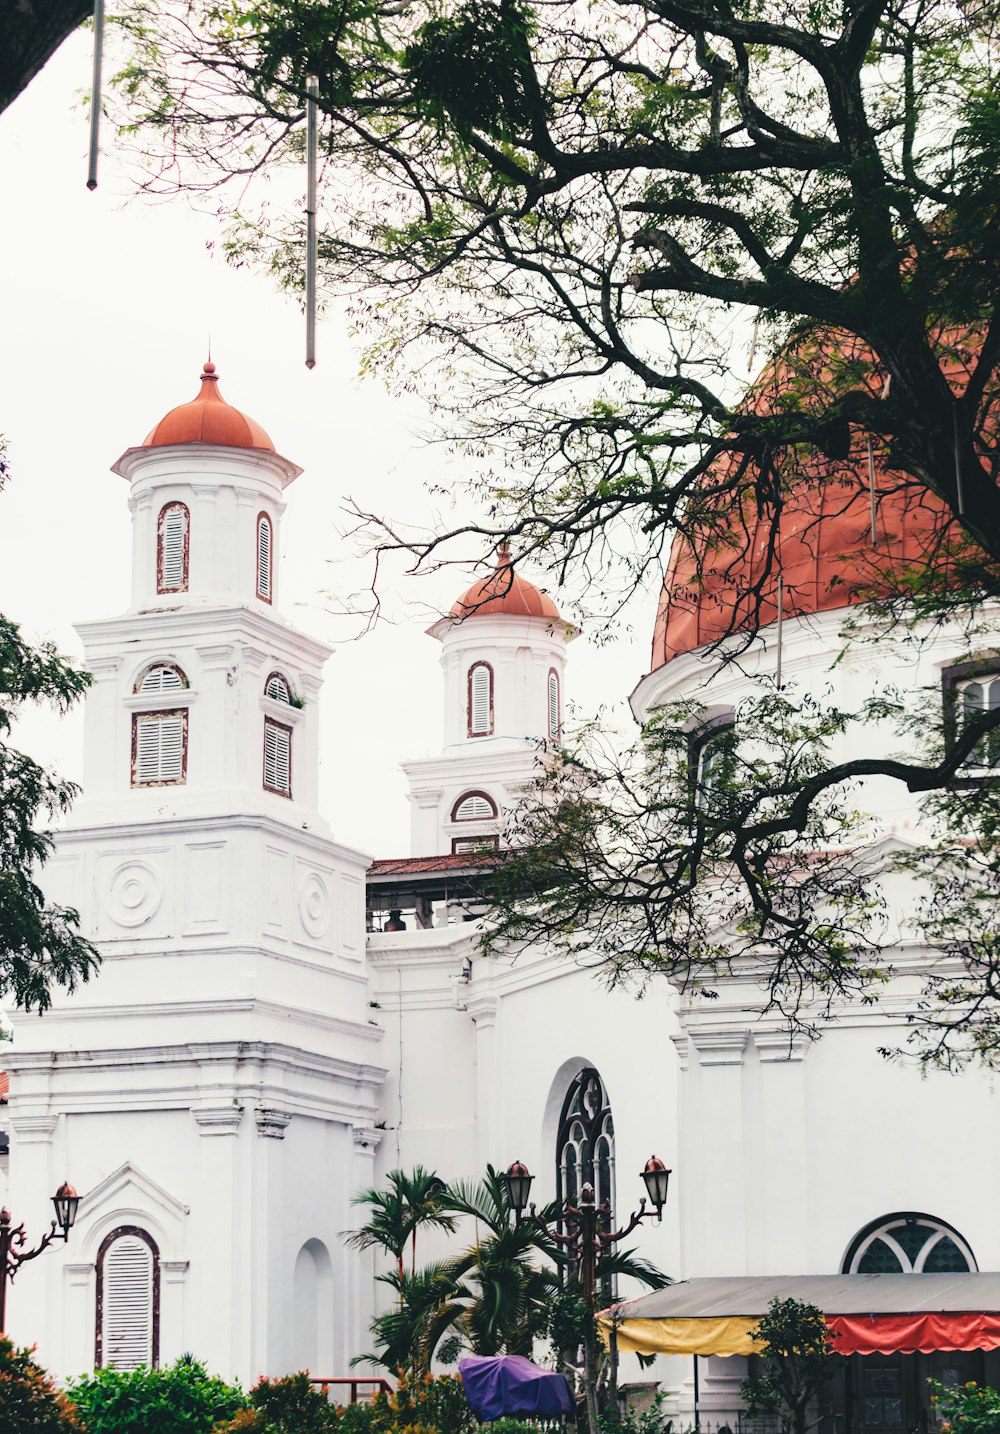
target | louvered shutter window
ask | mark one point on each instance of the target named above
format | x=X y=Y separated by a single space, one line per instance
x=555 y=725
x=474 y=808
x=278 y=688
x=480 y=701
x=127 y=1315
x=471 y=844
x=172 y=550
x=159 y=748
x=264 y=557
x=163 y=678
x=277 y=758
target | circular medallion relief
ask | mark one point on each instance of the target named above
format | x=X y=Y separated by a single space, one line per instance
x=314 y=905
x=134 y=893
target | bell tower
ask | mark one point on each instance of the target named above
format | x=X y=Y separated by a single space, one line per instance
x=503 y=654
x=214 y=1089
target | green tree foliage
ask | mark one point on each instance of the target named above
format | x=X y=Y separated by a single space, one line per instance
x=29 y=1401
x=283 y=1406
x=410 y=1199
x=40 y=944
x=568 y=223
x=798 y=1359
x=180 y=1399
x=965 y=1408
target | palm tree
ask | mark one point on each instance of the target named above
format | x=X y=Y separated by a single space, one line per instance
x=396 y=1213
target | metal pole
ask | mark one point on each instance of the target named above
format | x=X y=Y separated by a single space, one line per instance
x=958 y=465
x=697 y=1411
x=95 y=94
x=871 y=491
x=312 y=95
x=779 y=634
x=4 y=1272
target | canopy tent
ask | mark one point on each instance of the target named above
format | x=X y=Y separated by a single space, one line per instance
x=511 y=1384
x=867 y=1314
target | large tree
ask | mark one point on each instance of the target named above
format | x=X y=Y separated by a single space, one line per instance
x=40 y=943
x=568 y=222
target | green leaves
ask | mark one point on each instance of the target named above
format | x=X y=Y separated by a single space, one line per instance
x=40 y=943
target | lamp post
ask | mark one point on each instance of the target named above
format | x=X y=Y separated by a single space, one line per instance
x=585 y=1236
x=12 y=1252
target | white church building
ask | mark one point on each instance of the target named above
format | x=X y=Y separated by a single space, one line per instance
x=277 y=1021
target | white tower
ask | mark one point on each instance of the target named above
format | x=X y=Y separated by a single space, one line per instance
x=213 y=1092
x=503 y=652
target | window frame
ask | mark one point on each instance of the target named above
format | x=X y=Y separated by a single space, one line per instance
x=476 y=792
x=184 y=586
x=151 y=715
x=287 y=729
x=105 y=1246
x=879 y=1228
x=169 y=692
x=951 y=679
x=698 y=740
x=285 y=701
x=268 y=596
x=555 y=735
x=484 y=841
x=473 y=669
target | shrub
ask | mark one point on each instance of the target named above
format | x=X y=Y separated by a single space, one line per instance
x=181 y=1399
x=966 y=1408
x=427 y=1403
x=28 y=1398
x=283 y=1406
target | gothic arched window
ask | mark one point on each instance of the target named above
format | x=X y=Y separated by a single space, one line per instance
x=172 y=535
x=585 y=1141
x=128 y=1300
x=908 y=1244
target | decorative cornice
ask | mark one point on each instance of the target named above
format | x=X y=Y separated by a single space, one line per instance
x=720 y=1048
x=775 y=1046
x=33 y=1129
x=366 y=1138
x=272 y=1123
x=218 y=1119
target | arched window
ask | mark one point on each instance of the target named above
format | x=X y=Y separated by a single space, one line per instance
x=585 y=1141
x=265 y=558
x=128 y=1300
x=162 y=677
x=172 y=538
x=972 y=696
x=710 y=760
x=555 y=711
x=277 y=758
x=474 y=806
x=480 y=700
x=160 y=737
x=278 y=688
x=908 y=1243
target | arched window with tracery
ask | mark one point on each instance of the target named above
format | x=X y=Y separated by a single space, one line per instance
x=585 y=1141
x=128 y=1300
x=908 y=1243
x=172 y=547
x=480 y=700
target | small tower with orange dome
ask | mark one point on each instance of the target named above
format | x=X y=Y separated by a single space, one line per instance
x=503 y=653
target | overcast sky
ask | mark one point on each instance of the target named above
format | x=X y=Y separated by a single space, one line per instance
x=108 y=304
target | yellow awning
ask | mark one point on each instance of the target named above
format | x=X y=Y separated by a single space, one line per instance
x=729 y=1335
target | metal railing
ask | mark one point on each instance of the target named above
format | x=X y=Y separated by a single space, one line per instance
x=361 y=1389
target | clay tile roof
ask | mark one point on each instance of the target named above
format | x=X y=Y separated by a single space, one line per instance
x=421 y=865
x=208 y=418
x=505 y=591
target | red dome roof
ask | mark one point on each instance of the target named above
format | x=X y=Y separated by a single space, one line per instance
x=208 y=419
x=822 y=544
x=505 y=591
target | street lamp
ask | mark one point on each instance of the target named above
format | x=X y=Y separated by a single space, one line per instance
x=585 y=1235
x=12 y=1252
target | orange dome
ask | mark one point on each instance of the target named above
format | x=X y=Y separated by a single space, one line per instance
x=208 y=419
x=505 y=591
x=821 y=545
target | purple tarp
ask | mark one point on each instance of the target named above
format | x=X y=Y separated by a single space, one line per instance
x=511 y=1384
